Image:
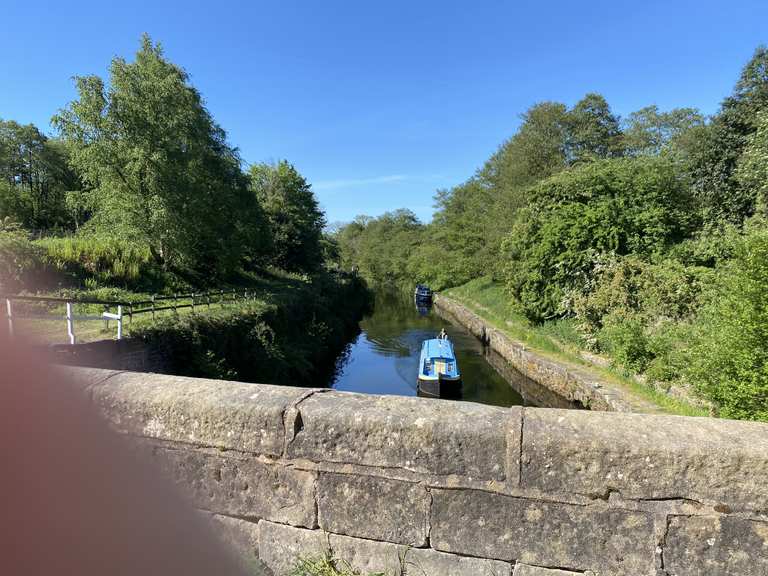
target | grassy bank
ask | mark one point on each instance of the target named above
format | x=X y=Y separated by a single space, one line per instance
x=290 y=333
x=557 y=340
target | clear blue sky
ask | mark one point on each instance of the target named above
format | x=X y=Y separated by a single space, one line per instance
x=379 y=104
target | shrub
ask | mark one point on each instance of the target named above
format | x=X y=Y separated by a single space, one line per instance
x=628 y=206
x=21 y=261
x=638 y=312
x=728 y=360
x=100 y=261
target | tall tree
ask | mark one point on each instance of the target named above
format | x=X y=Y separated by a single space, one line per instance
x=593 y=130
x=651 y=132
x=295 y=219
x=34 y=178
x=722 y=196
x=159 y=168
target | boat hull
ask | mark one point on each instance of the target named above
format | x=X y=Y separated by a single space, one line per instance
x=439 y=388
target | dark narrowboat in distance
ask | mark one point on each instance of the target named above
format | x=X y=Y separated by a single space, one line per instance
x=422 y=293
x=439 y=374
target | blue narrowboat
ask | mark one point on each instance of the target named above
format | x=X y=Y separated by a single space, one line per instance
x=422 y=293
x=439 y=374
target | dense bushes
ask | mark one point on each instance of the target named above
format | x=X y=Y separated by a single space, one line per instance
x=99 y=260
x=627 y=206
x=728 y=359
x=289 y=336
x=21 y=262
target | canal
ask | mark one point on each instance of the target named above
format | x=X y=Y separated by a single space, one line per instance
x=384 y=357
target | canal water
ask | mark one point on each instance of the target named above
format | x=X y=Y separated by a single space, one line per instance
x=384 y=358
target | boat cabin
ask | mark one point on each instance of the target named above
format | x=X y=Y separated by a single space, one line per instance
x=438 y=369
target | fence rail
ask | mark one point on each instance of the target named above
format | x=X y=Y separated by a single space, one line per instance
x=122 y=309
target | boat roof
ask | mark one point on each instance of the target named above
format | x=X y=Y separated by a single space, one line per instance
x=438 y=348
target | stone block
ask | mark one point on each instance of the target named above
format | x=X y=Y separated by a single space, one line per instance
x=568 y=536
x=373 y=508
x=367 y=556
x=413 y=434
x=242 y=537
x=646 y=457
x=280 y=546
x=526 y=570
x=707 y=545
x=241 y=485
x=233 y=415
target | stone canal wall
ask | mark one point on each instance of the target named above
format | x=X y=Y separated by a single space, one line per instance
x=452 y=488
x=571 y=383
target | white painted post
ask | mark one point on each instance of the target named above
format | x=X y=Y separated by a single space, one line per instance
x=70 y=324
x=10 y=316
x=119 y=322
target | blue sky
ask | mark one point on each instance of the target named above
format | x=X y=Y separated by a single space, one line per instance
x=379 y=104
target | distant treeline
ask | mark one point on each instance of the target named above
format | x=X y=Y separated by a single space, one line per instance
x=139 y=176
x=648 y=234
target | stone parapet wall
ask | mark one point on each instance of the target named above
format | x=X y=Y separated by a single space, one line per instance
x=441 y=488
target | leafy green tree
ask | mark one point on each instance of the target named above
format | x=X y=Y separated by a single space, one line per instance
x=295 y=219
x=34 y=178
x=651 y=132
x=752 y=170
x=621 y=206
x=593 y=130
x=381 y=248
x=536 y=151
x=348 y=237
x=722 y=196
x=158 y=167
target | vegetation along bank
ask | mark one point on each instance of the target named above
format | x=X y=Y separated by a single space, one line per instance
x=139 y=193
x=640 y=241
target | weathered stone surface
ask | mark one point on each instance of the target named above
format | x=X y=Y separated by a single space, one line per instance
x=243 y=539
x=281 y=546
x=646 y=456
x=241 y=485
x=526 y=570
x=707 y=545
x=611 y=542
x=247 y=417
x=413 y=434
x=367 y=557
x=374 y=508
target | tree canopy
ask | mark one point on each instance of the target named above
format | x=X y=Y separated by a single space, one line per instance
x=157 y=168
x=295 y=220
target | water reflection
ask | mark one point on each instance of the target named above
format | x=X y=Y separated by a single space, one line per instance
x=384 y=357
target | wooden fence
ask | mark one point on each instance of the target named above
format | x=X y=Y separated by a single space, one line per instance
x=120 y=311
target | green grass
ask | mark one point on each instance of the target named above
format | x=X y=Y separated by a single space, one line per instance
x=328 y=565
x=557 y=340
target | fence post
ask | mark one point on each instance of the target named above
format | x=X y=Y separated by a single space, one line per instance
x=175 y=303
x=119 y=322
x=70 y=324
x=10 y=316
x=153 y=307
x=193 y=301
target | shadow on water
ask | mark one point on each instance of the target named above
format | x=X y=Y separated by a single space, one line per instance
x=384 y=357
